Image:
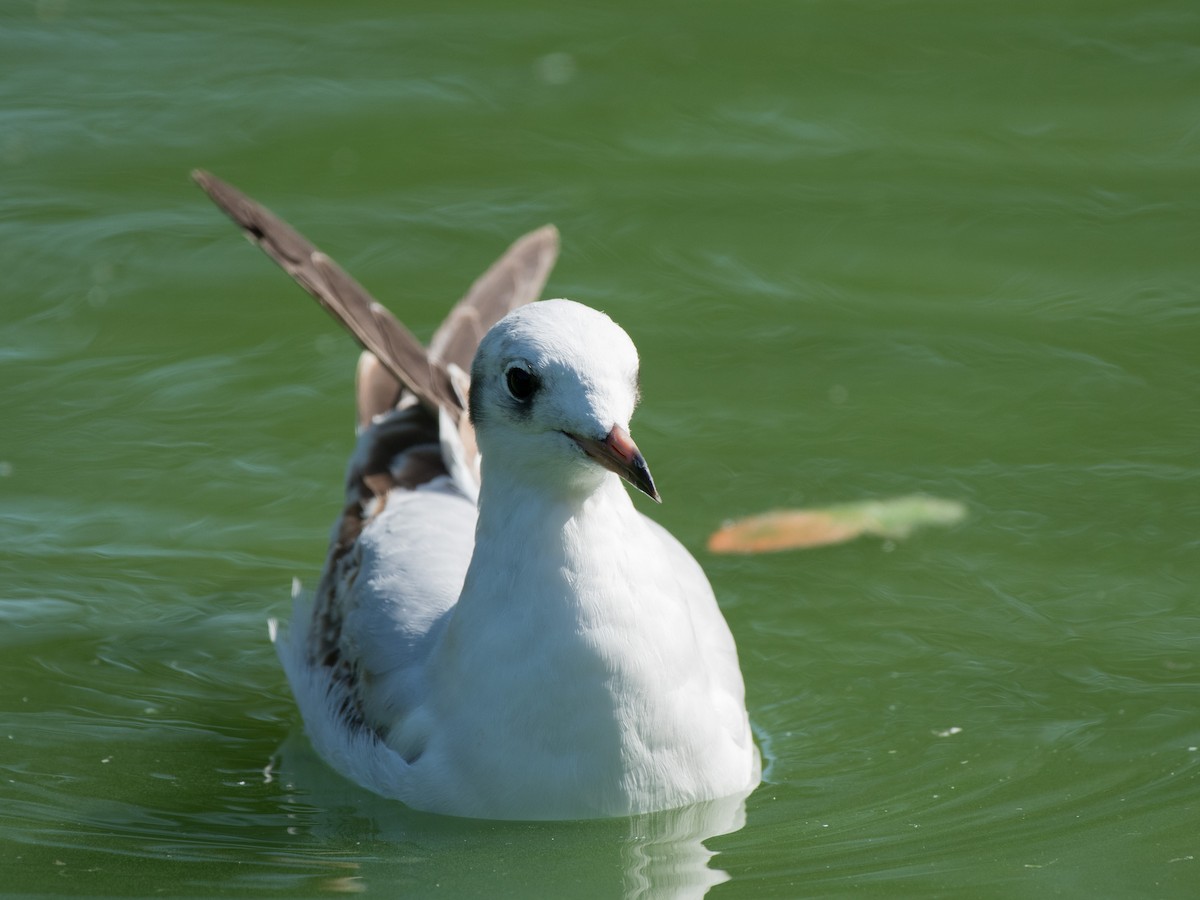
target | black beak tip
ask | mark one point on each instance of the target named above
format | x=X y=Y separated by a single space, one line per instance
x=643 y=480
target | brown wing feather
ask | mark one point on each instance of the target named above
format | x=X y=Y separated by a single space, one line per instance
x=395 y=357
x=382 y=333
x=516 y=278
x=404 y=449
x=343 y=297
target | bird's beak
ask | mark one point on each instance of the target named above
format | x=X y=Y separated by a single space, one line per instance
x=618 y=453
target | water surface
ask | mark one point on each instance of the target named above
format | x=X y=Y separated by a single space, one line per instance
x=866 y=250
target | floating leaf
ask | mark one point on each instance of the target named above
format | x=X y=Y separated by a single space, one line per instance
x=790 y=529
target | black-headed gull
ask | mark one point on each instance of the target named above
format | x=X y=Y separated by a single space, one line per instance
x=498 y=632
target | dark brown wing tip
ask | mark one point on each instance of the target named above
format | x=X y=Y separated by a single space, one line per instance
x=259 y=224
x=220 y=191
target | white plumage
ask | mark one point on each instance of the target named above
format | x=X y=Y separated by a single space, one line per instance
x=558 y=656
x=546 y=652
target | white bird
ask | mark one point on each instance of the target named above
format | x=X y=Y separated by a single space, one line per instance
x=500 y=633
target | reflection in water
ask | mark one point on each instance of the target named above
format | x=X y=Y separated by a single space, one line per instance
x=664 y=855
x=659 y=855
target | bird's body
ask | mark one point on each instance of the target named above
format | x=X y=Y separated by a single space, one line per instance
x=513 y=640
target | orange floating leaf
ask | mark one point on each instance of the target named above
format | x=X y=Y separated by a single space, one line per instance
x=780 y=530
x=792 y=529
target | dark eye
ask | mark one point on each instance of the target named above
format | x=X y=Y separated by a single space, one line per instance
x=522 y=383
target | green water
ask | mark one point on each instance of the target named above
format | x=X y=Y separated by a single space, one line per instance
x=866 y=249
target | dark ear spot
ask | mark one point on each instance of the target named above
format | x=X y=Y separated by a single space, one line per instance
x=517 y=394
x=475 y=396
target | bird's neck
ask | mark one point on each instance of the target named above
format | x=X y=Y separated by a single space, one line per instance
x=518 y=517
x=539 y=545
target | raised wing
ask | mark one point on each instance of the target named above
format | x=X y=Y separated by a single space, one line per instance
x=372 y=325
x=513 y=280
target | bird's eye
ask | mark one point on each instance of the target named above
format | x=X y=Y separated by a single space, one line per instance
x=522 y=383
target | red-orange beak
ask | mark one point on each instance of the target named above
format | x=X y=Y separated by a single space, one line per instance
x=618 y=453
